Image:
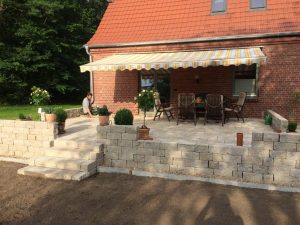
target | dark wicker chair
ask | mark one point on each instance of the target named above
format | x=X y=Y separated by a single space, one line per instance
x=162 y=108
x=237 y=108
x=214 y=108
x=186 y=107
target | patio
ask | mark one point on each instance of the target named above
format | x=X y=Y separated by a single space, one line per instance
x=84 y=129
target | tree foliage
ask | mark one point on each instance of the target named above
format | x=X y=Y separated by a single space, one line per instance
x=41 y=44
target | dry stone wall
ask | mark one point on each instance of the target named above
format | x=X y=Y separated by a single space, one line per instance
x=272 y=159
x=25 y=139
x=76 y=112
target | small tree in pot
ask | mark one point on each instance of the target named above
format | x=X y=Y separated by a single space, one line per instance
x=145 y=101
x=50 y=114
x=103 y=115
x=61 y=116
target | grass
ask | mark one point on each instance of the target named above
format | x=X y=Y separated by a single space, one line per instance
x=12 y=112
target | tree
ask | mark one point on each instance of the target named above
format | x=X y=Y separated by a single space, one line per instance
x=41 y=44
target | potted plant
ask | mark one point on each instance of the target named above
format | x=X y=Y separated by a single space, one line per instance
x=39 y=97
x=145 y=101
x=268 y=119
x=292 y=126
x=50 y=114
x=61 y=116
x=103 y=115
x=124 y=117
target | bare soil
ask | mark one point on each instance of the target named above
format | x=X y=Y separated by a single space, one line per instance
x=110 y=199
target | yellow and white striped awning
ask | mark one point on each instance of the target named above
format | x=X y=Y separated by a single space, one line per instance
x=166 y=60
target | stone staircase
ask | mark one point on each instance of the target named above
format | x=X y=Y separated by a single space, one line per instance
x=66 y=159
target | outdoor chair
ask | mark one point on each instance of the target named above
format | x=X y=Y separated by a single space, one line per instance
x=162 y=108
x=186 y=107
x=237 y=108
x=214 y=108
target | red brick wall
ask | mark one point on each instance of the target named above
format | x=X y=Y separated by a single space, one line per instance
x=277 y=79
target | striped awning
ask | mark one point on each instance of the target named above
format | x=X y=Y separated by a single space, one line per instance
x=166 y=60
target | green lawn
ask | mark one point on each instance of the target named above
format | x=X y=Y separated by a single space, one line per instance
x=12 y=112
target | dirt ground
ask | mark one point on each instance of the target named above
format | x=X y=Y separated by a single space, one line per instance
x=109 y=199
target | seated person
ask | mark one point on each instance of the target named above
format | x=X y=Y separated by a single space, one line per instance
x=87 y=105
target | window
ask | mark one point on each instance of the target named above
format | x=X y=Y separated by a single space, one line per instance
x=258 y=4
x=218 y=6
x=245 y=80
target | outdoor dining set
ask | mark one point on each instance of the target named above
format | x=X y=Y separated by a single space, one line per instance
x=208 y=106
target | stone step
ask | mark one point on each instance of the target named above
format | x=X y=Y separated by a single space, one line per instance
x=55 y=173
x=89 y=154
x=70 y=144
x=63 y=163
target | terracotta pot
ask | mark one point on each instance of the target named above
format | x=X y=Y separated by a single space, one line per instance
x=144 y=133
x=104 y=120
x=61 y=128
x=239 y=139
x=50 y=117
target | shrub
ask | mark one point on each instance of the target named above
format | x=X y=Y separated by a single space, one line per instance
x=292 y=126
x=39 y=96
x=268 y=119
x=103 y=111
x=61 y=115
x=24 y=117
x=124 y=117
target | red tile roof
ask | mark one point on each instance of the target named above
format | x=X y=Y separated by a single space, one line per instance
x=128 y=21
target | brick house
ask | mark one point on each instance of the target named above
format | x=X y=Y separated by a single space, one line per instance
x=199 y=46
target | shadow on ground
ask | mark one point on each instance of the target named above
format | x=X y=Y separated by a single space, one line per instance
x=121 y=199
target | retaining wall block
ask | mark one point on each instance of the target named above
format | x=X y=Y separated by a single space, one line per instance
x=257 y=136
x=107 y=162
x=117 y=129
x=166 y=160
x=285 y=146
x=151 y=145
x=290 y=137
x=232 y=158
x=187 y=147
x=202 y=148
x=125 y=143
x=190 y=163
x=190 y=171
x=278 y=154
x=138 y=158
x=261 y=145
x=297 y=163
x=144 y=151
x=245 y=168
x=237 y=174
x=271 y=137
x=261 y=169
x=284 y=162
x=172 y=153
x=206 y=156
x=114 y=135
x=268 y=178
x=126 y=154
x=228 y=165
x=152 y=159
x=158 y=168
x=158 y=152
x=190 y=155
x=127 y=136
x=253 y=177
x=223 y=172
x=217 y=157
x=118 y=163
x=168 y=146
x=101 y=135
x=293 y=155
x=103 y=129
x=213 y=165
x=268 y=162
x=232 y=150
x=204 y=172
x=131 y=164
x=131 y=129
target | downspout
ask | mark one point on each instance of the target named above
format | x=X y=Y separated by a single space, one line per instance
x=87 y=49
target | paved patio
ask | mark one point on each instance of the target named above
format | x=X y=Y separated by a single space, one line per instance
x=84 y=129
